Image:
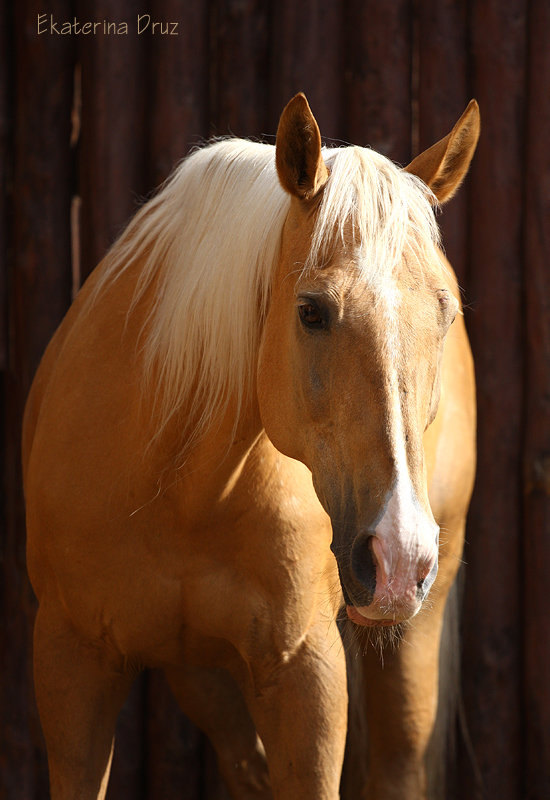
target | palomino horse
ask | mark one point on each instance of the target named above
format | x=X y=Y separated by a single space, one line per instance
x=233 y=417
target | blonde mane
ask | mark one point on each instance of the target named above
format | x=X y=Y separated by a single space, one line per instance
x=210 y=240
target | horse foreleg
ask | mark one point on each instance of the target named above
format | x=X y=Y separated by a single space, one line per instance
x=401 y=688
x=299 y=704
x=79 y=693
x=401 y=698
x=212 y=700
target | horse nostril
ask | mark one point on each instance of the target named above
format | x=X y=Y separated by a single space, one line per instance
x=423 y=586
x=363 y=563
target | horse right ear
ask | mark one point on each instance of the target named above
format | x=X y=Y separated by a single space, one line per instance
x=444 y=165
x=300 y=166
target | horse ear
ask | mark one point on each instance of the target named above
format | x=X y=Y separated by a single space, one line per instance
x=300 y=166
x=444 y=165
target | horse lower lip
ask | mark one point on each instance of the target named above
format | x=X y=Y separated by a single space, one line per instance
x=359 y=619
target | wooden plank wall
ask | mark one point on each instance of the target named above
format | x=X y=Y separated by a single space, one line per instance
x=90 y=124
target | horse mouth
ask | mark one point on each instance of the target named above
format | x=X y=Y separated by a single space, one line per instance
x=355 y=616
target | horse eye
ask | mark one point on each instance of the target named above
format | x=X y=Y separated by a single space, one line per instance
x=310 y=315
x=448 y=305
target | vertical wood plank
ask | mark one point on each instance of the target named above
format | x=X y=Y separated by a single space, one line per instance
x=442 y=96
x=43 y=177
x=536 y=529
x=239 y=100
x=113 y=147
x=178 y=75
x=39 y=291
x=6 y=177
x=378 y=76
x=492 y=633
x=306 y=56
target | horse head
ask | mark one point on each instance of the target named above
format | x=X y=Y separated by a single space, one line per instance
x=348 y=372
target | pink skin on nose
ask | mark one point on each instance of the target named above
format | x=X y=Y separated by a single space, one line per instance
x=408 y=572
x=404 y=548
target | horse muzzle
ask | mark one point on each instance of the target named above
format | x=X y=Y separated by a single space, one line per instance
x=385 y=583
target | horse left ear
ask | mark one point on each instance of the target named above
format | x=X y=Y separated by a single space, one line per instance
x=444 y=165
x=300 y=166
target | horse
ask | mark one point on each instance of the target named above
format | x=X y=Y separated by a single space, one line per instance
x=257 y=414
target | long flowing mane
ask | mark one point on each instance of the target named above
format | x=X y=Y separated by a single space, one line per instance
x=210 y=240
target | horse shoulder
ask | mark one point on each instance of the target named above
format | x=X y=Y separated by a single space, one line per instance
x=264 y=545
x=82 y=438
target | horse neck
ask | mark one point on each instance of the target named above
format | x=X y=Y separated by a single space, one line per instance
x=207 y=470
x=210 y=460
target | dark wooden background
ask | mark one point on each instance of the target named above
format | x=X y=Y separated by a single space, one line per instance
x=90 y=124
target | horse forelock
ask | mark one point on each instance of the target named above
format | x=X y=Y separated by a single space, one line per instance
x=377 y=210
x=209 y=241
